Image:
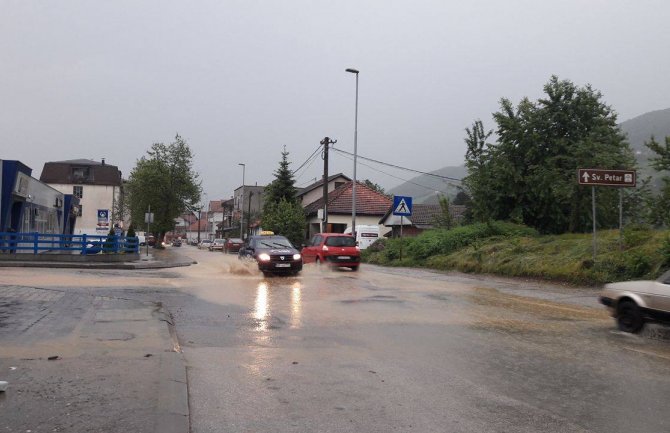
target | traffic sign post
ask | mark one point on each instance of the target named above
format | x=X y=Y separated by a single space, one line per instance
x=402 y=207
x=602 y=177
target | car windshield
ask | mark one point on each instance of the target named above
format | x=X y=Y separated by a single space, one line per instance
x=275 y=242
x=341 y=241
x=219 y=241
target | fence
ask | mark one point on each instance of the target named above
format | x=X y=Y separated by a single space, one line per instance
x=37 y=243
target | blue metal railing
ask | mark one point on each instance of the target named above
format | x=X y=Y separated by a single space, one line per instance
x=37 y=243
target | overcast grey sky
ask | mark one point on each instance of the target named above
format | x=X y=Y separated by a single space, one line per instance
x=240 y=79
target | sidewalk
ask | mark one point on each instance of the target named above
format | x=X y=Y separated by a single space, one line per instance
x=155 y=259
x=79 y=363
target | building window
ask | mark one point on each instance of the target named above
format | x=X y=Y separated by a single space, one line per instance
x=78 y=191
x=80 y=173
x=79 y=210
x=338 y=184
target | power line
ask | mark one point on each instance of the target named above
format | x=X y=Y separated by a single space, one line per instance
x=308 y=159
x=398 y=166
x=389 y=174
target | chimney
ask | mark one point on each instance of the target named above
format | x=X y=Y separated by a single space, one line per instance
x=103 y=161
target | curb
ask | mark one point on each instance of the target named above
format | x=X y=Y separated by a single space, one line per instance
x=172 y=412
x=173 y=415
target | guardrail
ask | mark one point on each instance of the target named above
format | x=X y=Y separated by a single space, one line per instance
x=37 y=243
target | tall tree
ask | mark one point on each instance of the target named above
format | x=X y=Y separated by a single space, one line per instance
x=282 y=213
x=528 y=175
x=283 y=186
x=661 y=162
x=166 y=181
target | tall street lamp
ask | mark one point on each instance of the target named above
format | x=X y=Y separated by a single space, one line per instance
x=353 y=186
x=244 y=167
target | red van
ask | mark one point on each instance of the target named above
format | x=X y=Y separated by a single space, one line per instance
x=334 y=249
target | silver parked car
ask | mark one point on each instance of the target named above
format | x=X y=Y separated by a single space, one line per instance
x=632 y=303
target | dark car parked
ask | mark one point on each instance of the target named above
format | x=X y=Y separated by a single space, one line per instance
x=233 y=245
x=274 y=254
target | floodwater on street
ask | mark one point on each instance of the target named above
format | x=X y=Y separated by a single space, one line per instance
x=392 y=349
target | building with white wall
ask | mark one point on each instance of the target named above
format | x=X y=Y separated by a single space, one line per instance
x=98 y=186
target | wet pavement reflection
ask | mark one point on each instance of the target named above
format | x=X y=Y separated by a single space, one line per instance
x=397 y=350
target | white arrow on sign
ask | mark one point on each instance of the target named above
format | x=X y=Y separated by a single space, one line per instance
x=586 y=177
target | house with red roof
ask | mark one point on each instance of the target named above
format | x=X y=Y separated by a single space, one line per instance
x=371 y=206
x=424 y=217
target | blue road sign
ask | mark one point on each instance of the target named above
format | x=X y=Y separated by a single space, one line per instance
x=402 y=206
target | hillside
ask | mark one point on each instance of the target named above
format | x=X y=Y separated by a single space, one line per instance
x=638 y=130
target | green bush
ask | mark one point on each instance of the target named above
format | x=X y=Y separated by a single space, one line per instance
x=436 y=242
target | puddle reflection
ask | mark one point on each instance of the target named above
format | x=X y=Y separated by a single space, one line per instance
x=266 y=303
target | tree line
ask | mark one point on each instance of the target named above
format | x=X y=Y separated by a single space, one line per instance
x=528 y=174
x=524 y=171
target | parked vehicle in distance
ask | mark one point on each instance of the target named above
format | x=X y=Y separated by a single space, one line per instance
x=217 y=245
x=204 y=244
x=193 y=242
x=176 y=242
x=274 y=254
x=233 y=245
x=141 y=240
x=333 y=249
x=151 y=241
x=634 y=303
x=366 y=235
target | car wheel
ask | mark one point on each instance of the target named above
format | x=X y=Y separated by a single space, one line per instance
x=629 y=317
x=354 y=268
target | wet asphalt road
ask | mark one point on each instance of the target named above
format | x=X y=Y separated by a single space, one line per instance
x=385 y=350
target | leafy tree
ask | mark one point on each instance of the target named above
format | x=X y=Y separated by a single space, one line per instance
x=131 y=231
x=661 y=162
x=282 y=213
x=528 y=175
x=445 y=219
x=287 y=219
x=478 y=182
x=166 y=181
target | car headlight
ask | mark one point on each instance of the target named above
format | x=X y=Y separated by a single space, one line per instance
x=324 y=248
x=264 y=257
x=296 y=256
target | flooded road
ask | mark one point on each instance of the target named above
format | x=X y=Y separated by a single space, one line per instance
x=384 y=350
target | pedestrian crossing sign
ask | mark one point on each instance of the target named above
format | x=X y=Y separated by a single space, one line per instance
x=402 y=206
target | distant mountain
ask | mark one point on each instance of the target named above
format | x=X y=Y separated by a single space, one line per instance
x=423 y=188
x=639 y=130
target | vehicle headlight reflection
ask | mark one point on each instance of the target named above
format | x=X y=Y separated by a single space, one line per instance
x=296 y=256
x=296 y=305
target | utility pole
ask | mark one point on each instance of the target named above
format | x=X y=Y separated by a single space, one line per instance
x=326 y=142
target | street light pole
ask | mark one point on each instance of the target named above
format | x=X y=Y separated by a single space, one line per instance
x=244 y=167
x=353 y=186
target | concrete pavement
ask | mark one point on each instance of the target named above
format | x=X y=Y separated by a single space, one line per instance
x=79 y=362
